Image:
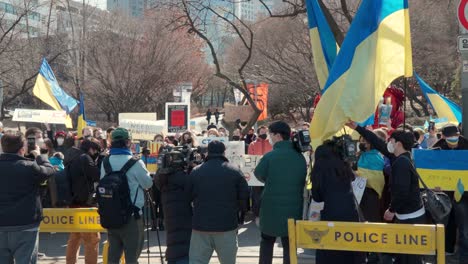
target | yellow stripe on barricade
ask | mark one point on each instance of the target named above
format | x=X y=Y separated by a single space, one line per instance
x=367 y=237
x=74 y=220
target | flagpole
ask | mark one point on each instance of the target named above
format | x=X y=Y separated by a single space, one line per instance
x=405 y=83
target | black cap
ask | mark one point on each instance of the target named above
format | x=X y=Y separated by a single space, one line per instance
x=216 y=148
x=450 y=130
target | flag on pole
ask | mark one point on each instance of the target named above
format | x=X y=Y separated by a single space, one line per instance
x=444 y=107
x=375 y=52
x=324 y=47
x=81 y=117
x=49 y=91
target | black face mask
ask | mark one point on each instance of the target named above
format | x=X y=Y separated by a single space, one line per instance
x=235 y=138
x=263 y=136
x=362 y=147
x=95 y=156
x=44 y=151
x=189 y=141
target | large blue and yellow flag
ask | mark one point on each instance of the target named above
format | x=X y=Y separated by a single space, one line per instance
x=375 y=52
x=441 y=105
x=324 y=47
x=370 y=166
x=81 y=118
x=446 y=169
x=48 y=90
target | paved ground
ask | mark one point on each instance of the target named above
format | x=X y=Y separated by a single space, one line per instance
x=54 y=246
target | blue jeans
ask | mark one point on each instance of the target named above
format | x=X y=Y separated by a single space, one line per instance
x=19 y=247
x=180 y=261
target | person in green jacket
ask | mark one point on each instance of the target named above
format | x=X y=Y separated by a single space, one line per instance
x=283 y=170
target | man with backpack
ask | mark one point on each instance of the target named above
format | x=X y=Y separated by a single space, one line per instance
x=83 y=172
x=121 y=196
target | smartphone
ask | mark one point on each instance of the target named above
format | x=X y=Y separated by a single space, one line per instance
x=31 y=143
x=431 y=126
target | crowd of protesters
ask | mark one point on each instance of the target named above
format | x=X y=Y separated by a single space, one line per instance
x=212 y=214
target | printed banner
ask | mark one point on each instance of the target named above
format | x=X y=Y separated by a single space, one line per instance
x=447 y=169
x=177 y=117
x=140 y=129
x=151 y=160
x=40 y=116
x=138 y=116
x=204 y=141
x=259 y=93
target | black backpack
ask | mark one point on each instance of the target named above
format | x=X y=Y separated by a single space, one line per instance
x=115 y=206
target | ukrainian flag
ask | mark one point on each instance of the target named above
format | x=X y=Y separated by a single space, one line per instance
x=48 y=90
x=443 y=106
x=81 y=117
x=375 y=52
x=370 y=166
x=324 y=47
x=446 y=169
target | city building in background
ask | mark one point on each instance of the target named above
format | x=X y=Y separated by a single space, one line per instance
x=132 y=8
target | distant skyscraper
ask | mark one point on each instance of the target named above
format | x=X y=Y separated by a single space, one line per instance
x=253 y=9
x=134 y=8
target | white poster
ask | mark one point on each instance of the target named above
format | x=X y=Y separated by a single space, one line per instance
x=138 y=116
x=144 y=130
x=204 y=141
x=40 y=116
x=248 y=165
x=359 y=184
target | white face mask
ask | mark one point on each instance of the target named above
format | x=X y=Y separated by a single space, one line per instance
x=391 y=147
x=40 y=142
x=212 y=135
x=60 y=141
x=271 y=141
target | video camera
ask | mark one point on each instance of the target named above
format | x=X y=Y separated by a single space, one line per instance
x=346 y=147
x=302 y=141
x=180 y=157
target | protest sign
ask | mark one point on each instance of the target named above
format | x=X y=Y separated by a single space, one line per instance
x=151 y=160
x=248 y=165
x=177 y=117
x=141 y=129
x=242 y=112
x=204 y=141
x=359 y=185
x=138 y=116
x=40 y=116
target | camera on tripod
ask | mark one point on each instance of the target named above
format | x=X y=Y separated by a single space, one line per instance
x=301 y=140
x=180 y=157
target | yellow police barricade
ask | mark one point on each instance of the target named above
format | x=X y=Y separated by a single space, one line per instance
x=367 y=237
x=74 y=220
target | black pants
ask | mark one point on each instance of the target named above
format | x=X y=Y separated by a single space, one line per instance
x=408 y=258
x=370 y=206
x=256 y=199
x=266 y=249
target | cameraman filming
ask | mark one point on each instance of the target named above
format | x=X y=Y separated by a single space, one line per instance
x=176 y=205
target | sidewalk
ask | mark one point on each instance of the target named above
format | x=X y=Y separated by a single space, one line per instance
x=54 y=247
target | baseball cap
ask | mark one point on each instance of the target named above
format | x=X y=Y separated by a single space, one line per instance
x=450 y=130
x=120 y=133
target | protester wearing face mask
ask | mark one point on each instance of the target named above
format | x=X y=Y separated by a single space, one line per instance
x=36 y=133
x=213 y=133
x=260 y=146
x=59 y=140
x=188 y=139
x=236 y=135
x=406 y=204
x=84 y=173
x=458 y=219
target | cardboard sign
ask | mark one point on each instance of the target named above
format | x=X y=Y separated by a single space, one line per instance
x=140 y=129
x=40 y=116
x=177 y=117
x=242 y=112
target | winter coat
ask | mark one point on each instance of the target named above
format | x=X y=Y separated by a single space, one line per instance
x=283 y=170
x=20 y=204
x=260 y=147
x=217 y=190
x=177 y=213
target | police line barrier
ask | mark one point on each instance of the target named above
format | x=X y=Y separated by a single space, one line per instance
x=367 y=237
x=74 y=220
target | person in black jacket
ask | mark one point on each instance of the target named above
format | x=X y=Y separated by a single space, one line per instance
x=20 y=205
x=178 y=213
x=406 y=204
x=217 y=190
x=84 y=172
x=331 y=184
